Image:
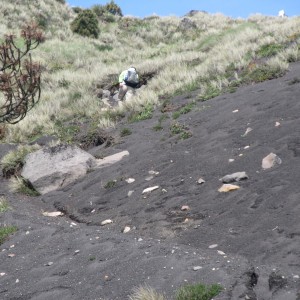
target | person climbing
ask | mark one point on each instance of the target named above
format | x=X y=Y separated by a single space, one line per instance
x=128 y=82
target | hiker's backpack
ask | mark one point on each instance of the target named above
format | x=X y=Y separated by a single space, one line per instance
x=131 y=78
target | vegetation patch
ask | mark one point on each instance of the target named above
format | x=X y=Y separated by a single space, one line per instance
x=13 y=162
x=184 y=110
x=110 y=184
x=182 y=130
x=210 y=92
x=18 y=184
x=125 y=132
x=5 y=232
x=3 y=205
x=86 y=24
x=146 y=293
x=198 y=292
x=262 y=73
x=269 y=50
x=146 y=113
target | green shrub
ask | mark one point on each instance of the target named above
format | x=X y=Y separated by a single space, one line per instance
x=109 y=8
x=113 y=8
x=86 y=24
x=198 y=292
x=5 y=231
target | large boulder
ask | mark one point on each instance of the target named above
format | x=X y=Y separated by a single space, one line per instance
x=51 y=168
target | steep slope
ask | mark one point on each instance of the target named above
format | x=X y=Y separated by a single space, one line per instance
x=246 y=240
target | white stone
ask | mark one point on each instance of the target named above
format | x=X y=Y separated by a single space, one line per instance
x=126 y=229
x=196 y=268
x=150 y=189
x=52 y=214
x=130 y=180
x=213 y=246
x=106 y=222
x=270 y=161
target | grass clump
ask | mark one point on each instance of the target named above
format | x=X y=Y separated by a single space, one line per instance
x=198 y=292
x=125 y=132
x=269 y=50
x=20 y=185
x=110 y=184
x=184 y=110
x=146 y=293
x=3 y=205
x=209 y=93
x=145 y=114
x=263 y=73
x=177 y=128
x=6 y=231
x=13 y=162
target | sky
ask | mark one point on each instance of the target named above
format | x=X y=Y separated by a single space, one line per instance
x=232 y=8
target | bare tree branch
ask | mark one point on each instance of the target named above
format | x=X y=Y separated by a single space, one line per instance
x=20 y=77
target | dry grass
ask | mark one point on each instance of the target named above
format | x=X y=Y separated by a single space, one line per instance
x=146 y=293
x=182 y=60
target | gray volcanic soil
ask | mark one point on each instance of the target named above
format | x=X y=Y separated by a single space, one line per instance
x=255 y=230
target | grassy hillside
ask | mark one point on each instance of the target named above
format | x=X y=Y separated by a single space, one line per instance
x=213 y=55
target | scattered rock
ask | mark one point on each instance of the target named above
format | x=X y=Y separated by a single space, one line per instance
x=196 y=268
x=230 y=160
x=130 y=193
x=50 y=263
x=150 y=189
x=54 y=167
x=200 y=180
x=11 y=255
x=130 y=180
x=53 y=214
x=148 y=178
x=270 y=161
x=152 y=172
x=238 y=176
x=221 y=252
x=247 y=131
x=277 y=124
x=235 y=111
x=2 y=274
x=126 y=229
x=106 y=222
x=185 y=207
x=228 y=187
x=213 y=246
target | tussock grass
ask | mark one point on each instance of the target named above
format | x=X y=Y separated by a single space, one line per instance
x=13 y=161
x=5 y=232
x=3 y=205
x=146 y=293
x=18 y=184
x=183 y=60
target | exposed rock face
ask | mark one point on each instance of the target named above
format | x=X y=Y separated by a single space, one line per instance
x=51 y=168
